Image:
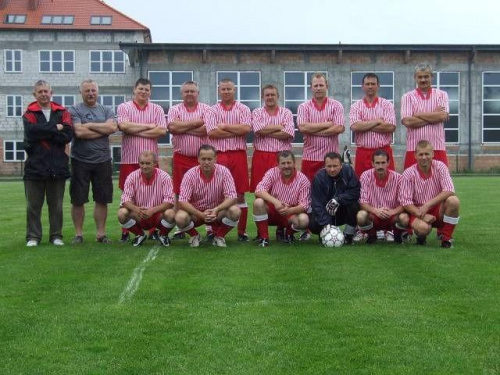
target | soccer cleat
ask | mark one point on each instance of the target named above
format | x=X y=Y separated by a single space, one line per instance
x=289 y=239
x=125 y=237
x=178 y=235
x=77 y=240
x=210 y=236
x=305 y=236
x=372 y=239
x=164 y=240
x=381 y=235
x=398 y=238
x=406 y=237
x=138 y=240
x=57 y=242
x=154 y=236
x=264 y=242
x=280 y=234
x=348 y=239
x=103 y=239
x=447 y=244
x=32 y=243
x=243 y=237
x=195 y=241
x=257 y=239
x=219 y=241
x=359 y=236
x=421 y=240
x=389 y=236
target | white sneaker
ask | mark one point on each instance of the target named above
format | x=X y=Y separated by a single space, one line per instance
x=57 y=242
x=389 y=236
x=32 y=243
x=359 y=236
x=195 y=241
x=380 y=235
x=219 y=241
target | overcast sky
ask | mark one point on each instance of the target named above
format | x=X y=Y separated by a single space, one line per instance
x=317 y=21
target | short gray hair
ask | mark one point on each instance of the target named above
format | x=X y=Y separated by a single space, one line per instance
x=88 y=81
x=41 y=82
x=423 y=67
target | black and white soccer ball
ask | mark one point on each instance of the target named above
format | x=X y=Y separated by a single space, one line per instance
x=331 y=236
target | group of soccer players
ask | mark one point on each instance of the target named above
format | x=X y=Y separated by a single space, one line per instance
x=209 y=168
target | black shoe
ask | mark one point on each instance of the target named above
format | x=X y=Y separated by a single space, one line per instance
x=289 y=239
x=210 y=237
x=243 y=237
x=179 y=235
x=77 y=240
x=446 y=244
x=398 y=238
x=280 y=234
x=371 y=239
x=154 y=236
x=421 y=240
x=164 y=240
x=138 y=240
x=264 y=242
x=349 y=239
x=125 y=237
x=103 y=239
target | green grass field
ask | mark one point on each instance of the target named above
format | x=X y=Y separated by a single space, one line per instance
x=299 y=309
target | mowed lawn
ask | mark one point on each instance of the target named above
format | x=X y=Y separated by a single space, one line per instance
x=286 y=309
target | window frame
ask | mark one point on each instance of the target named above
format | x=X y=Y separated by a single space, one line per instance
x=113 y=98
x=437 y=85
x=13 y=61
x=51 y=61
x=14 y=151
x=14 y=107
x=101 y=19
x=49 y=19
x=17 y=19
x=101 y=62
x=483 y=100
x=64 y=98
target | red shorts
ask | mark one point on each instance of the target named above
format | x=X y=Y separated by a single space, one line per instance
x=125 y=170
x=311 y=167
x=236 y=162
x=181 y=164
x=262 y=161
x=381 y=224
x=434 y=211
x=363 y=161
x=152 y=222
x=438 y=155
x=274 y=218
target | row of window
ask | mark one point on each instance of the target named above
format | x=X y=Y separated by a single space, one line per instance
x=57 y=19
x=54 y=61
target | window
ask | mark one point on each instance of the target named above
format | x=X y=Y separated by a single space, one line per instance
x=450 y=82
x=247 y=85
x=13 y=151
x=491 y=107
x=112 y=101
x=101 y=20
x=15 y=18
x=297 y=91
x=386 y=90
x=58 y=20
x=107 y=62
x=167 y=91
x=13 y=60
x=14 y=105
x=57 y=61
x=64 y=100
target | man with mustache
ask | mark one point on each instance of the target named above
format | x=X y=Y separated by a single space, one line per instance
x=380 y=208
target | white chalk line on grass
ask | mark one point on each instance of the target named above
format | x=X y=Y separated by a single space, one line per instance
x=135 y=280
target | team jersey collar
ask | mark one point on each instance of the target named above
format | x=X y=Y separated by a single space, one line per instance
x=275 y=113
x=423 y=95
x=190 y=110
x=423 y=175
x=370 y=105
x=381 y=182
x=317 y=106
x=290 y=180
x=209 y=178
x=151 y=180
x=227 y=108
x=139 y=107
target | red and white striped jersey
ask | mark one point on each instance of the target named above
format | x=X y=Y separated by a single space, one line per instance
x=236 y=114
x=363 y=111
x=296 y=191
x=416 y=101
x=261 y=118
x=380 y=193
x=188 y=144
x=133 y=145
x=417 y=189
x=148 y=194
x=315 y=147
x=205 y=193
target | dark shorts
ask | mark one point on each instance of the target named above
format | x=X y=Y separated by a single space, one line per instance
x=83 y=174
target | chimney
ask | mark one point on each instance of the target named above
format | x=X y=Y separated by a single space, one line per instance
x=3 y=4
x=33 y=4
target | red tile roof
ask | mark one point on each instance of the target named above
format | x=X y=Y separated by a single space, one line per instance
x=82 y=10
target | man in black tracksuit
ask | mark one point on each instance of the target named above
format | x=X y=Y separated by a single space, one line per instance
x=335 y=195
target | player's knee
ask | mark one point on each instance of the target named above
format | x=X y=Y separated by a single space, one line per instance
x=123 y=215
x=421 y=228
x=452 y=203
x=362 y=217
x=169 y=215
x=182 y=218
x=259 y=204
x=234 y=213
x=302 y=221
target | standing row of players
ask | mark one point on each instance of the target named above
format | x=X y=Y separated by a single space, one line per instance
x=224 y=126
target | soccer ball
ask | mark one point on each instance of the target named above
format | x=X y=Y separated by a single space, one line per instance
x=331 y=236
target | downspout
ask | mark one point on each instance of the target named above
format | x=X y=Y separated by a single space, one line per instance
x=469 y=89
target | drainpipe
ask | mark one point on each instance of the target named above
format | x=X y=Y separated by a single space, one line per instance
x=469 y=89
